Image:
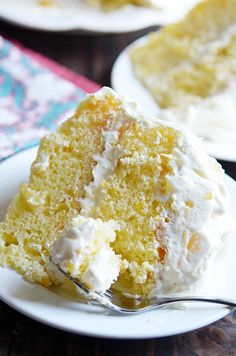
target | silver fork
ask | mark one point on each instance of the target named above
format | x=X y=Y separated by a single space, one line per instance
x=120 y=303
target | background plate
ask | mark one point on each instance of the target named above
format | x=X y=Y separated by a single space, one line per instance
x=124 y=82
x=49 y=308
x=69 y=15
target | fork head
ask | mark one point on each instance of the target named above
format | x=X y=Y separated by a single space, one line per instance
x=111 y=299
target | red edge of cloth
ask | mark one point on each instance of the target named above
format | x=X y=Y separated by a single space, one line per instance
x=79 y=80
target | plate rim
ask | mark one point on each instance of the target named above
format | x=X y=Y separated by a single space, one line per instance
x=157 y=18
x=219 y=313
x=78 y=28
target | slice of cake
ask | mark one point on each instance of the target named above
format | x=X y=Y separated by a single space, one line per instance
x=112 y=181
x=190 y=69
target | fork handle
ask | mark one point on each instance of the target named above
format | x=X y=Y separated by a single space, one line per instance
x=168 y=300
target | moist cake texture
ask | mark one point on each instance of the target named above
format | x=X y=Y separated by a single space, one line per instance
x=111 y=162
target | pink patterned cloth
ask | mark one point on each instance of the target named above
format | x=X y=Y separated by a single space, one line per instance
x=36 y=94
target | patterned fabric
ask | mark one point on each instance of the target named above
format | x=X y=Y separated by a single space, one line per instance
x=36 y=94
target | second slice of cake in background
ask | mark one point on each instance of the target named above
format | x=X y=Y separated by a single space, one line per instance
x=190 y=70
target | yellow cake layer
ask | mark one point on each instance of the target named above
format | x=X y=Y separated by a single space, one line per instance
x=51 y=197
x=191 y=59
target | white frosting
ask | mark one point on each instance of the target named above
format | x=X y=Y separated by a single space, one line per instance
x=211 y=118
x=83 y=240
x=102 y=271
x=199 y=205
x=106 y=163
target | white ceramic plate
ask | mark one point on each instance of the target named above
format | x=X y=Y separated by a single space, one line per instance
x=125 y=83
x=49 y=308
x=69 y=15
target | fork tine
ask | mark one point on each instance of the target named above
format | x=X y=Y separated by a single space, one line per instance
x=108 y=293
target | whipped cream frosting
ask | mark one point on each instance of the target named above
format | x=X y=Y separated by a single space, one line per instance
x=84 y=252
x=199 y=222
x=212 y=117
x=106 y=163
